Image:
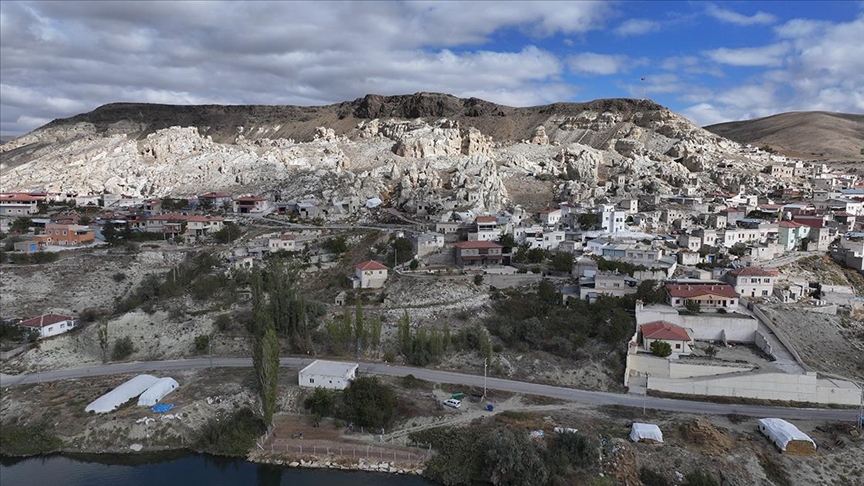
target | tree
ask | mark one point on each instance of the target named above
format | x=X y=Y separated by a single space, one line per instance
x=228 y=233
x=587 y=220
x=123 y=348
x=375 y=337
x=414 y=265
x=478 y=279
x=562 y=262
x=266 y=362
x=574 y=450
x=711 y=351
x=506 y=240
x=202 y=342
x=692 y=306
x=321 y=403
x=649 y=293
x=109 y=232
x=21 y=225
x=403 y=251
x=346 y=330
x=336 y=245
x=661 y=348
x=404 y=334
x=361 y=335
x=369 y=403
x=512 y=459
x=103 y=338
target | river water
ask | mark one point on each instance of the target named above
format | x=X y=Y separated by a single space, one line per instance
x=178 y=470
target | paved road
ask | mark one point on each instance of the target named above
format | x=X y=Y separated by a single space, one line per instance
x=570 y=394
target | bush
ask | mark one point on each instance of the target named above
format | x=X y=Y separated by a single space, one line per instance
x=661 y=348
x=118 y=277
x=31 y=439
x=321 y=403
x=572 y=450
x=202 y=342
x=692 y=306
x=478 y=279
x=369 y=403
x=222 y=322
x=389 y=357
x=230 y=436
x=123 y=348
x=228 y=233
x=699 y=478
x=650 y=477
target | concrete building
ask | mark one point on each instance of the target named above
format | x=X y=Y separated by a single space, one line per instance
x=478 y=253
x=333 y=375
x=678 y=338
x=201 y=226
x=753 y=281
x=250 y=204
x=611 y=220
x=790 y=234
x=709 y=295
x=426 y=243
x=550 y=217
x=48 y=325
x=369 y=275
x=284 y=242
x=16 y=204
x=68 y=234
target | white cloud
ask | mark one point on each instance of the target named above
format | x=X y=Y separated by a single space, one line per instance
x=637 y=27
x=736 y=18
x=592 y=63
x=62 y=58
x=771 y=55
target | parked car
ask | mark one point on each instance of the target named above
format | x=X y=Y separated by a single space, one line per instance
x=452 y=402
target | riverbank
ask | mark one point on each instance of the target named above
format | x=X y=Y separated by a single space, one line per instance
x=342 y=463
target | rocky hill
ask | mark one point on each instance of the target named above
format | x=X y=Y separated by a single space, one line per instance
x=423 y=152
x=812 y=134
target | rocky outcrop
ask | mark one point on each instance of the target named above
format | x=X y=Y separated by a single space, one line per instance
x=540 y=137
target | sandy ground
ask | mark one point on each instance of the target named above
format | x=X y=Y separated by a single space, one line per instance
x=830 y=344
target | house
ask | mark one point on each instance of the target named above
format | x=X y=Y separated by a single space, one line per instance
x=214 y=199
x=426 y=243
x=250 y=204
x=550 y=217
x=201 y=226
x=677 y=337
x=48 y=325
x=333 y=375
x=753 y=281
x=611 y=219
x=446 y=228
x=284 y=242
x=486 y=229
x=18 y=204
x=68 y=234
x=709 y=295
x=477 y=253
x=369 y=275
x=612 y=284
x=791 y=233
x=688 y=257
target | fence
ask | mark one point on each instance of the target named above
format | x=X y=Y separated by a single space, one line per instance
x=349 y=452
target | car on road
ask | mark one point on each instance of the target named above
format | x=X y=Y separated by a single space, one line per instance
x=452 y=402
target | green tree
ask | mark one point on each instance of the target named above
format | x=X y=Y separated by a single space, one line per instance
x=692 y=306
x=336 y=245
x=512 y=459
x=21 y=225
x=403 y=251
x=562 y=262
x=346 y=330
x=587 y=220
x=478 y=279
x=506 y=240
x=202 y=342
x=375 y=333
x=711 y=351
x=123 y=348
x=322 y=402
x=661 y=348
x=109 y=232
x=572 y=450
x=228 y=233
x=369 y=403
x=334 y=334
x=404 y=334
x=103 y=338
x=266 y=361
x=361 y=334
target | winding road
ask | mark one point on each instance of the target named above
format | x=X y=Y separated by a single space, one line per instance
x=569 y=394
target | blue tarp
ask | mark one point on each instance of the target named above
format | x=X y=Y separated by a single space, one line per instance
x=162 y=408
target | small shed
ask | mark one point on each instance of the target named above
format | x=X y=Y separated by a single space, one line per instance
x=787 y=437
x=157 y=391
x=646 y=433
x=334 y=375
x=122 y=394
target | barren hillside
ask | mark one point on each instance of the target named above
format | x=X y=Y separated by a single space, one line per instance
x=816 y=134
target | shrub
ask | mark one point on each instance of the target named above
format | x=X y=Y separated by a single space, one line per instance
x=202 y=342
x=228 y=233
x=389 y=357
x=123 y=348
x=699 y=478
x=30 y=439
x=692 y=306
x=478 y=279
x=321 y=403
x=650 y=477
x=711 y=351
x=230 y=436
x=118 y=277
x=661 y=348
x=572 y=450
x=44 y=257
x=222 y=322
x=369 y=403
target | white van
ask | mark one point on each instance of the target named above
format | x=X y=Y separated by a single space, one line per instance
x=452 y=402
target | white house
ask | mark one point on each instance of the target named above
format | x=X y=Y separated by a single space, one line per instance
x=334 y=375
x=753 y=281
x=550 y=217
x=284 y=242
x=369 y=275
x=48 y=325
x=677 y=337
x=611 y=220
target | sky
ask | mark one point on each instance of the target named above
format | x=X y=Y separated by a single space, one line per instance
x=710 y=62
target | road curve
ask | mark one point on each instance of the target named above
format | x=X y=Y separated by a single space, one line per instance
x=569 y=394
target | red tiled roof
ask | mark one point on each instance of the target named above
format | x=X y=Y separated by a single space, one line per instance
x=486 y=219
x=249 y=199
x=664 y=330
x=754 y=272
x=370 y=265
x=547 y=211
x=790 y=224
x=45 y=320
x=698 y=290
x=469 y=245
x=17 y=197
x=213 y=195
x=202 y=219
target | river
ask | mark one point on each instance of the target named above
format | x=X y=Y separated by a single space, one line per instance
x=176 y=469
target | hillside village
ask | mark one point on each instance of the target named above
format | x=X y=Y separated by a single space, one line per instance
x=651 y=275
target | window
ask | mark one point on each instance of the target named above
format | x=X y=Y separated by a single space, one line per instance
x=311 y=380
x=677 y=346
x=764 y=293
x=62 y=325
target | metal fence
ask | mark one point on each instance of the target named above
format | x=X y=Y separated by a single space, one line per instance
x=367 y=453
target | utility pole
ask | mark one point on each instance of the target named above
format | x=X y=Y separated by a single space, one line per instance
x=485 y=364
x=210 y=348
x=859 y=420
